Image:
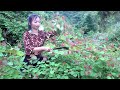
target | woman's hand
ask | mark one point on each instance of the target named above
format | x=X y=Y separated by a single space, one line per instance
x=47 y=49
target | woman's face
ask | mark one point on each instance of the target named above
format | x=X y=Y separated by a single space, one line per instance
x=35 y=24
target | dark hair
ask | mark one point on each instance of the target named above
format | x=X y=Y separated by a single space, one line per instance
x=30 y=18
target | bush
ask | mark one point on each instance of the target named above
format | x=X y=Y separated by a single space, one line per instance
x=93 y=56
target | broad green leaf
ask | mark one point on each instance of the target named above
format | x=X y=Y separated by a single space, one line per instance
x=10 y=63
x=38 y=62
x=59 y=52
x=51 y=75
x=68 y=66
x=16 y=48
x=118 y=58
x=1 y=39
x=21 y=59
x=20 y=53
x=114 y=74
x=66 y=77
x=78 y=67
x=50 y=45
x=57 y=64
x=70 y=36
x=42 y=65
x=39 y=72
x=108 y=77
x=35 y=70
x=60 y=69
x=102 y=58
x=52 y=63
x=2 y=49
x=11 y=72
x=102 y=52
x=82 y=73
x=43 y=72
x=1 y=54
x=66 y=71
x=62 y=37
x=72 y=73
x=46 y=65
x=93 y=74
x=58 y=76
x=51 y=72
x=75 y=74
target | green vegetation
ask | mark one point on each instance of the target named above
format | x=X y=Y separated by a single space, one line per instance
x=92 y=37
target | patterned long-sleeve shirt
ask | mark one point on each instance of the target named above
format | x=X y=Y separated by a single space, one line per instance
x=32 y=40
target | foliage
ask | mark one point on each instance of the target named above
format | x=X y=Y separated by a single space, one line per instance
x=91 y=56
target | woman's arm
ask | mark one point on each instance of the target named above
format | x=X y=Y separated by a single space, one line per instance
x=27 y=46
x=39 y=49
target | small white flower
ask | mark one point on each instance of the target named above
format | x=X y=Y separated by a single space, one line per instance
x=58 y=26
x=41 y=27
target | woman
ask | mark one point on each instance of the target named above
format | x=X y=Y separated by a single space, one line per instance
x=34 y=39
